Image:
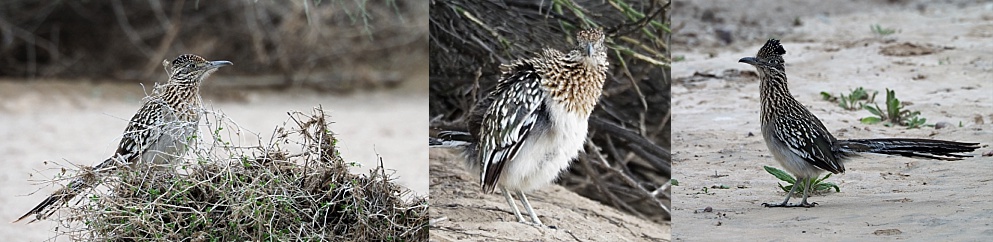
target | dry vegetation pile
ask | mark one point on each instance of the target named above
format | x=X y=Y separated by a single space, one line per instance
x=295 y=188
x=627 y=162
x=301 y=41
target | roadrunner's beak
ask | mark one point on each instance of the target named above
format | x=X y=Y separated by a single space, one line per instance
x=589 y=49
x=218 y=64
x=749 y=60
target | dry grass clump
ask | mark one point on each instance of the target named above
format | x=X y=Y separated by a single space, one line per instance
x=261 y=193
x=626 y=163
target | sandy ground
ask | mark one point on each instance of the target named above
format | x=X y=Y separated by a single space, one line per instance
x=940 y=62
x=466 y=214
x=59 y=121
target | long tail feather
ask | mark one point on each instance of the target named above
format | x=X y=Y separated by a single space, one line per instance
x=67 y=193
x=448 y=139
x=62 y=196
x=923 y=148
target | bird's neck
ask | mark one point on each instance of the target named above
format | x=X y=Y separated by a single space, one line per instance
x=575 y=83
x=773 y=92
x=179 y=95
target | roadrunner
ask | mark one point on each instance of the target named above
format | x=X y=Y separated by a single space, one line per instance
x=534 y=123
x=159 y=133
x=801 y=144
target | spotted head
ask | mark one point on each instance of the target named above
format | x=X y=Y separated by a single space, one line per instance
x=769 y=58
x=190 y=68
x=590 y=49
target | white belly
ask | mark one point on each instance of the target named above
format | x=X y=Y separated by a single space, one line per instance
x=788 y=159
x=544 y=156
x=174 y=141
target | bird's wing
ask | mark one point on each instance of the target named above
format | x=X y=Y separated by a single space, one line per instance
x=517 y=107
x=811 y=141
x=142 y=131
x=138 y=136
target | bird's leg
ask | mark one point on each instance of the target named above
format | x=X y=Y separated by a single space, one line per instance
x=806 y=188
x=788 y=195
x=527 y=205
x=510 y=200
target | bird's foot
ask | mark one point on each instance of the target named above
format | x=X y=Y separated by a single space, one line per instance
x=539 y=225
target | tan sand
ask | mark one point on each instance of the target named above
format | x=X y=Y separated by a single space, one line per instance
x=717 y=141
x=81 y=123
x=464 y=213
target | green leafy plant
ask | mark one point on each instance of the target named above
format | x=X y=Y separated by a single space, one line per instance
x=895 y=113
x=876 y=28
x=945 y=61
x=855 y=100
x=916 y=122
x=818 y=186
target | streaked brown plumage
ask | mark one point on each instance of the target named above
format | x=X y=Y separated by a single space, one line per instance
x=534 y=123
x=800 y=142
x=159 y=132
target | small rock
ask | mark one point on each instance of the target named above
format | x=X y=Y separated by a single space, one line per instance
x=887 y=232
x=942 y=124
x=708 y=16
x=724 y=35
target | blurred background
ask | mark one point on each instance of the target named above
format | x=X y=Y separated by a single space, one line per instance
x=73 y=72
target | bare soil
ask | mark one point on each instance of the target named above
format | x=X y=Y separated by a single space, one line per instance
x=939 y=62
x=464 y=213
